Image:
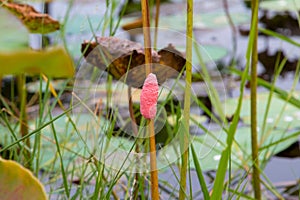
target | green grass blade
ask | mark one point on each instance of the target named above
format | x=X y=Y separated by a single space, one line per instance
x=276 y=75
x=65 y=180
x=35 y=131
x=279 y=36
x=284 y=95
x=200 y=174
x=187 y=101
x=221 y=172
x=214 y=97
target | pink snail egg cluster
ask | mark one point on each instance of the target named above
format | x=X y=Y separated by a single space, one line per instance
x=149 y=96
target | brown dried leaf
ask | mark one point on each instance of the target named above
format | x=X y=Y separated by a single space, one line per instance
x=121 y=56
x=170 y=57
x=35 y=22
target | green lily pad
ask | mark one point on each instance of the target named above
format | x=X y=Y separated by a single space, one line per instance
x=34 y=87
x=280 y=5
x=209 y=155
x=289 y=119
x=79 y=24
x=195 y=119
x=13 y=35
x=209 y=53
x=74 y=48
x=201 y=21
x=209 y=148
x=281 y=132
x=17 y=182
x=77 y=145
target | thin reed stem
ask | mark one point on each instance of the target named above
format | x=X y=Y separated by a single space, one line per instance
x=21 y=79
x=135 y=186
x=153 y=167
x=147 y=39
x=187 y=99
x=148 y=60
x=254 y=142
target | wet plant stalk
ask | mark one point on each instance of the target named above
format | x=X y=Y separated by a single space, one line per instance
x=23 y=118
x=187 y=99
x=148 y=60
x=135 y=186
x=146 y=32
x=254 y=142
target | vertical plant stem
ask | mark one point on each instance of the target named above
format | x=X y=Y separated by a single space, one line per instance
x=153 y=167
x=156 y=23
x=218 y=187
x=135 y=186
x=46 y=38
x=147 y=40
x=1 y=84
x=254 y=142
x=23 y=118
x=187 y=99
x=63 y=172
x=148 y=60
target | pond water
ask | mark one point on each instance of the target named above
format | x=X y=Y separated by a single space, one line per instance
x=216 y=33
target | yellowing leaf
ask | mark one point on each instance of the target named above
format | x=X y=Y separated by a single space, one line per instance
x=35 y=22
x=17 y=182
x=53 y=62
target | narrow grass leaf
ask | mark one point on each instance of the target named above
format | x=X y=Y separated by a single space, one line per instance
x=65 y=181
x=200 y=174
x=279 y=36
x=221 y=172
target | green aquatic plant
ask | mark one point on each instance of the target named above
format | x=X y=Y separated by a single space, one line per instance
x=18 y=59
x=187 y=98
x=254 y=136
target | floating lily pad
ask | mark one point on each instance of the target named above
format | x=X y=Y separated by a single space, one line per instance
x=74 y=48
x=281 y=132
x=34 y=87
x=195 y=119
x=17 y=182
x=201 y=21
x=280 y=5
x=208 y=53
x=13 y=35
x=290 y=118
x=77 y=144
x=79 y=24
x=209 y=148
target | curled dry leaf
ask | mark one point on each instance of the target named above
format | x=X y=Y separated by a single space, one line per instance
x=121 y=56
x=35 y=22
